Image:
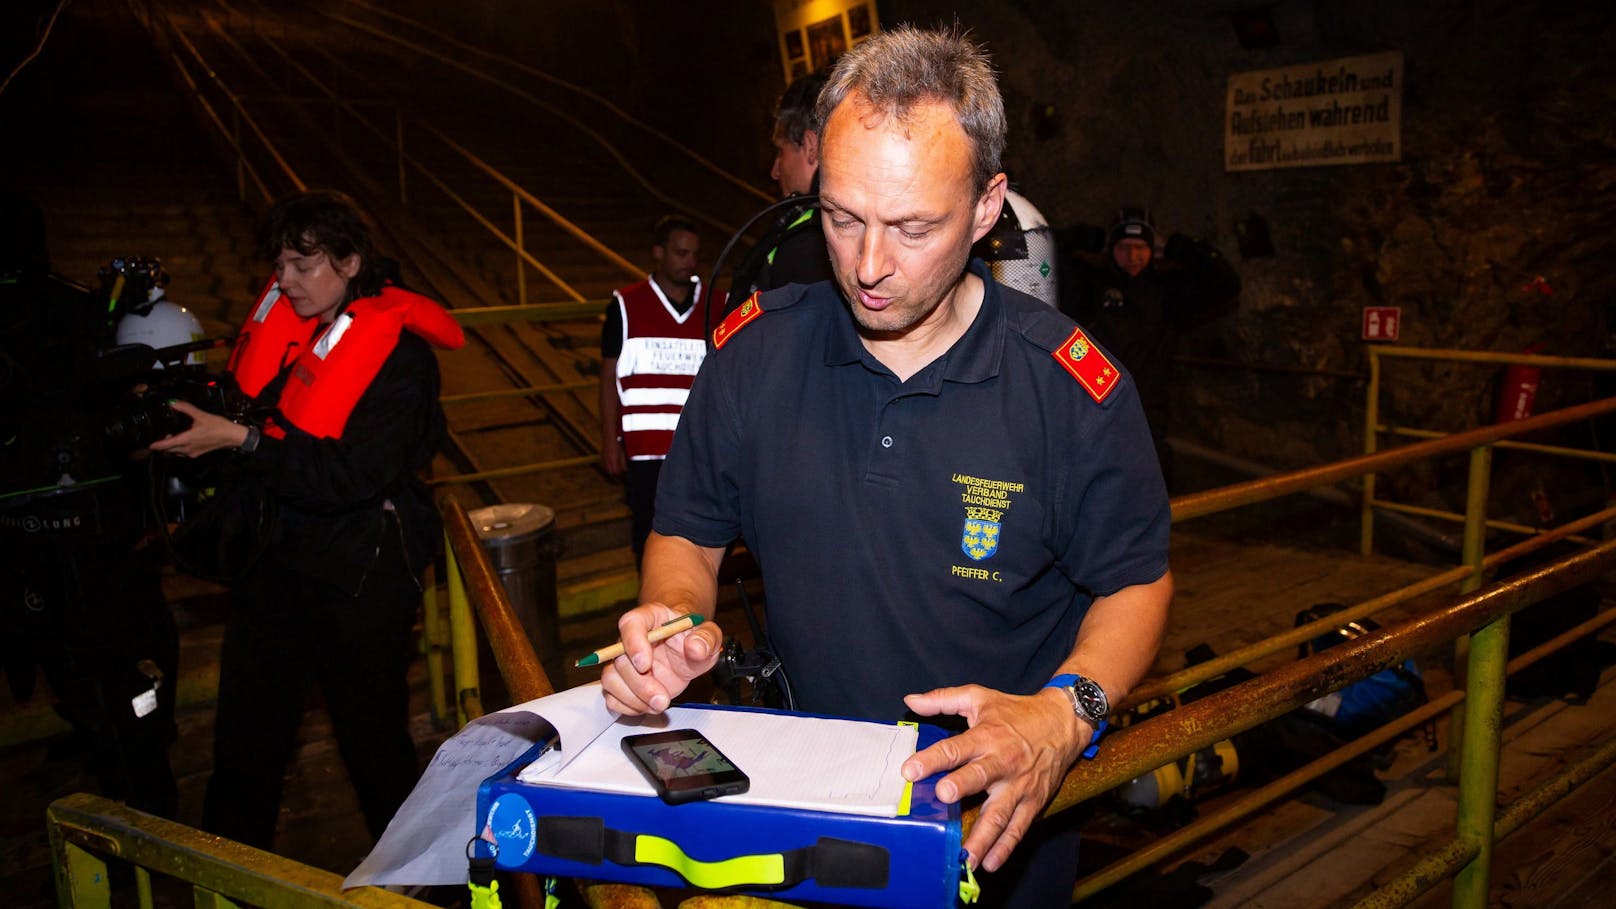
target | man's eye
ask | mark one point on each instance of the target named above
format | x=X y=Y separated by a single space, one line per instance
x=914 y=235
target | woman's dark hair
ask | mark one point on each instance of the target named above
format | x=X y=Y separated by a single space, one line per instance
x=330 y=222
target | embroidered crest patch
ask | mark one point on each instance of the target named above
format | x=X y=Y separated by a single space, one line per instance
x=733 y=322
x=1078 y=356
x=981 y=537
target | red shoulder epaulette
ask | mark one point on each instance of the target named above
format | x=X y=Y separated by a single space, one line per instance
x=736 y=320
x=1078 y=356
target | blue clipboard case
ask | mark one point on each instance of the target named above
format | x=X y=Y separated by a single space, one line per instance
x=913 y=860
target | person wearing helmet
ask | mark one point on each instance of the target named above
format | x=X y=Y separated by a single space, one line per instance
x=341 y=354
x=157 y=321
x=1136 y=299
x=792 y=251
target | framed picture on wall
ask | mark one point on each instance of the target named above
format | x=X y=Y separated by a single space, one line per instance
x=859 y=22
x=794 y=44
x=826 y=41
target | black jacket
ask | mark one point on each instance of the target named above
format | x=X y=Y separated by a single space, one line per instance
x=1138 y=319
x=793 y=251
x=333 y=493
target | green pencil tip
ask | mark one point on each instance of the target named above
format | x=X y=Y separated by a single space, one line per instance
x=590 y=660
x=696 y=619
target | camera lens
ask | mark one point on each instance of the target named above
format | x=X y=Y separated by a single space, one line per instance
x=143 y=422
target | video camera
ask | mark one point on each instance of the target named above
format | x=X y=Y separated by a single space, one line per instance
x=75 y=426
x=158 y=357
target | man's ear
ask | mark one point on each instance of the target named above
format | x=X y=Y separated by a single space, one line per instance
x=989 y=206
x=810 y=146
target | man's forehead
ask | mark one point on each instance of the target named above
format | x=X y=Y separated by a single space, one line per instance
x=683 y=239
x=863 y=144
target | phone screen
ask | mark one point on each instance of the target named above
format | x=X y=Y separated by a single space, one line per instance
x=684 y=766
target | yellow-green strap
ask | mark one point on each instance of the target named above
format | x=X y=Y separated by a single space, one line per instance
x=485 y=897
x=801 y=220
x=755 y=870
x=970 y=890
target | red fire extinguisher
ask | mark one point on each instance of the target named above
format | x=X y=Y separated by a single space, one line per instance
x=1518 y=390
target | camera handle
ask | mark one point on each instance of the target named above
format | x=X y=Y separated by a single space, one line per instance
x=760 y=664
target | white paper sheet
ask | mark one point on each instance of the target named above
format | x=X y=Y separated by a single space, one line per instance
x=814 y=763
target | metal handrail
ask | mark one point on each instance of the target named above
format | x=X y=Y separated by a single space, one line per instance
x=1217 y=716
x=659 y=135
x=518 y=664
x=1266 y=489
x=395 y=140
x=84 y=829
x=1373 y=425
x=1191 y=676
x=609 y=149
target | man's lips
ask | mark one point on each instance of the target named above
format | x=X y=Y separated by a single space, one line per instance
x=869 y=301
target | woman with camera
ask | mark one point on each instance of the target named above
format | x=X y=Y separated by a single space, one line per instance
x=341 y=358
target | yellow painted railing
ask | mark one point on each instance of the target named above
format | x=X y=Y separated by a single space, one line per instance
x=88 y=830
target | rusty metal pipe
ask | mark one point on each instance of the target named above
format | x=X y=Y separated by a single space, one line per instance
x=1284 y=785
x=1448 y=858
x=1140 y=749
x=1243 y=656
x=1226 y=497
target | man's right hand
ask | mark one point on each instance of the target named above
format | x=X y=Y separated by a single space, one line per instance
x=616 y=460
x=647 y=677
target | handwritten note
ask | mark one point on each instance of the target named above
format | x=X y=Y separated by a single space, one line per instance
x=425 y=843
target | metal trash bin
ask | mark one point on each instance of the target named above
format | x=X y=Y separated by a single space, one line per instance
x=519 y=539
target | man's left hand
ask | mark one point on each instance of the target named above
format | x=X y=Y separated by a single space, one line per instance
x=1017 y=751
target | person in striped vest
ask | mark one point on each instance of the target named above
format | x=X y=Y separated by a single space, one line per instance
x=650 y=349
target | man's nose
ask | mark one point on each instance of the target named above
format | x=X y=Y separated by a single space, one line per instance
x=875 y=260
x=774 y=172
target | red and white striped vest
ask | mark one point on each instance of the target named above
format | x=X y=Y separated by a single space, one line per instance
x=662 y=350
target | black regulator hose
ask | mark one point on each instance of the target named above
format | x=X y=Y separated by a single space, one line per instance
x=807 y=199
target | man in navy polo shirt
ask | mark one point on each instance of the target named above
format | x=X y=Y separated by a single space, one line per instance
x=950 y=489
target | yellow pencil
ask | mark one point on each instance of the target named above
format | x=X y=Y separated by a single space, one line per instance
x=660 y=633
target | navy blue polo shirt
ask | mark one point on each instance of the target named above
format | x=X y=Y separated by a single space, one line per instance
x=946 y=530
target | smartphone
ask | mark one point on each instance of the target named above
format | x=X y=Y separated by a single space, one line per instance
x=684 y=766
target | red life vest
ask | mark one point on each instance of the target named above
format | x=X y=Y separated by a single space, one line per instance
x=270 y=340
x=662 y=350
x=328 y=376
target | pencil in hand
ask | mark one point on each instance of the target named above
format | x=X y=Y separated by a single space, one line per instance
x=660 y=633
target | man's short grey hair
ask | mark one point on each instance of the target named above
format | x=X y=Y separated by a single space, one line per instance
x=898 y=69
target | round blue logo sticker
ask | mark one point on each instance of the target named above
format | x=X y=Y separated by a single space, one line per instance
x=511 y=822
